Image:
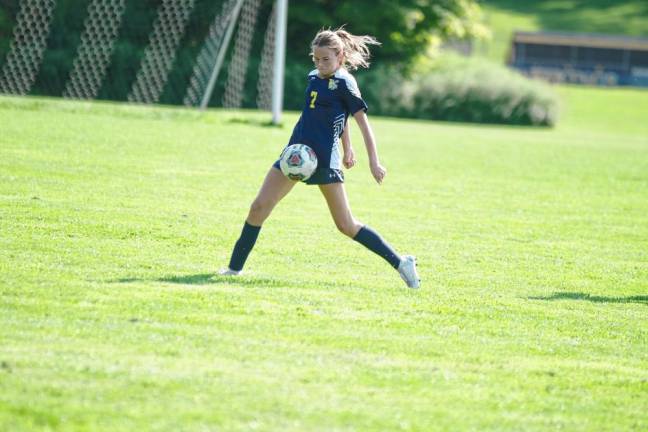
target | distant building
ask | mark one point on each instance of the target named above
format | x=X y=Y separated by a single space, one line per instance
x=581 y=58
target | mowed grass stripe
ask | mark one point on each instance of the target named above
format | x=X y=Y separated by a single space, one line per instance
x=532 y=246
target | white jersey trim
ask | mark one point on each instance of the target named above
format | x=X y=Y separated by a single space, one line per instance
x=338 y=128
x=351 y=82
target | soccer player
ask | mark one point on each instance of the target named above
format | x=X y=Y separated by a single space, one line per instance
x=331 y=96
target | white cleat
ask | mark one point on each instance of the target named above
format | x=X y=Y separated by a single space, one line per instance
x=407 y=271
x=229 y=272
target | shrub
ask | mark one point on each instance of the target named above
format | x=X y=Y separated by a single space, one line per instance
x=461 y=89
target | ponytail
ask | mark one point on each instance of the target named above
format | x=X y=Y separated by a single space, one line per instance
x=355 y=48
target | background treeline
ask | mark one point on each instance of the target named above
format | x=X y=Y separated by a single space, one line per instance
x=407 y=30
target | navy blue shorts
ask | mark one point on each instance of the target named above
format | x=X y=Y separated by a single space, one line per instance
x=321 y=175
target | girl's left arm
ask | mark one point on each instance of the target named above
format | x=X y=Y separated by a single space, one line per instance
x=348 y=159
x=377 y=170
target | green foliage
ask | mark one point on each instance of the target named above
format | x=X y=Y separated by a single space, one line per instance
x=531 y=245
x=462 y=89
x=479 y=91
x=405 y=28
x=295 y=83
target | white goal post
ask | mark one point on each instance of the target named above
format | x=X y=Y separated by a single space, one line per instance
x=235 y=25
x=279 y=60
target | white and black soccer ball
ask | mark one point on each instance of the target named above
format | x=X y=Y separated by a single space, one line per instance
x=298 y=162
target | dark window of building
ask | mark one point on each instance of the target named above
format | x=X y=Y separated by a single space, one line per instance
x=592 y=57
x=639 y=58
x=547 y=53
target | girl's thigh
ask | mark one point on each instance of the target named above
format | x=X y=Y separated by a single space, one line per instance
x=274 y=188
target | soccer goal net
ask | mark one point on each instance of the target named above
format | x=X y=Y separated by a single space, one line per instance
x=198 y=53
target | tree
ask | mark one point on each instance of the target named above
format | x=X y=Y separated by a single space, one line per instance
x=406 y=28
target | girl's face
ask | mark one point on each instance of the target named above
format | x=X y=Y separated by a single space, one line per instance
x=326 y=61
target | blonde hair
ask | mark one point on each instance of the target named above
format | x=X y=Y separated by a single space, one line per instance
x=354 y=48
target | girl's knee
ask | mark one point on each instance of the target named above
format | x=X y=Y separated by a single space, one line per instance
x=257 y=206
x=349 y=227
x=259 y=211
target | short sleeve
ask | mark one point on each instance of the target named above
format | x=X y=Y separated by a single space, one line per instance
x=351 y=96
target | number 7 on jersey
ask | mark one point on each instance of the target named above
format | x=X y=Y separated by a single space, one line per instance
x=313 y=97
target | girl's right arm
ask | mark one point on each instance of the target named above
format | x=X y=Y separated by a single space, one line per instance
x=377 y=170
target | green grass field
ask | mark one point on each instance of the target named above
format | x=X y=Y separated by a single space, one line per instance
x=504 y=17
x=532 y=247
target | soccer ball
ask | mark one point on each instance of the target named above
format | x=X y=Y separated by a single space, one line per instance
x=298 y=162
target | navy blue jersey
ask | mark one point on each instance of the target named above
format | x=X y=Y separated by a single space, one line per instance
x=328 y=104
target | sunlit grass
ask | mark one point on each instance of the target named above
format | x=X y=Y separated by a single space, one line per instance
x=532 y=246
x=504 y=17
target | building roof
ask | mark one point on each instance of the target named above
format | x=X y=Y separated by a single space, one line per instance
x=582 y=40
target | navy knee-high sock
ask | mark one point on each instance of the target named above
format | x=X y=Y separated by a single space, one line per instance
x=375 y=243
x=243 y=246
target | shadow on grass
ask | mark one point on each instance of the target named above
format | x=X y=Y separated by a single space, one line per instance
x=643 y=299
x=255 y=122
x=213 y=279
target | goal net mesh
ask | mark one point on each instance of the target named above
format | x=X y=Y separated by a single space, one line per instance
x=143 y=51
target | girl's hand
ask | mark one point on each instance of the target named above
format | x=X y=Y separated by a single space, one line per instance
x=348 y=160
x=378 y=171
